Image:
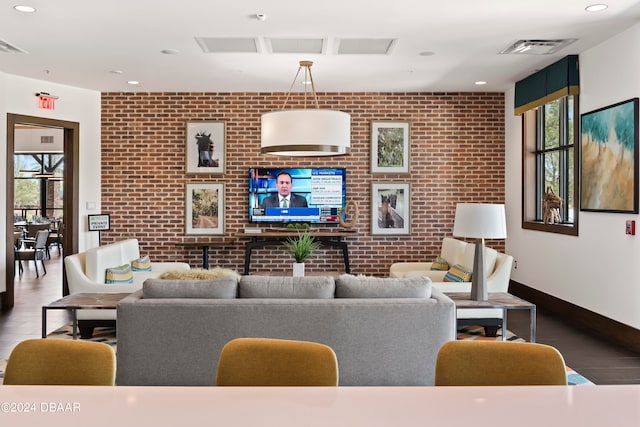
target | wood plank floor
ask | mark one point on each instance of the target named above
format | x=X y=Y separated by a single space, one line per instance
x=592 y=356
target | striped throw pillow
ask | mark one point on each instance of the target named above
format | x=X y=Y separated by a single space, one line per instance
x=440 y=264
x=457 y=273
x=120 y=274
x=141 y=264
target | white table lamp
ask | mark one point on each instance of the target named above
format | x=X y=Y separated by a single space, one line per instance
x=479 y=221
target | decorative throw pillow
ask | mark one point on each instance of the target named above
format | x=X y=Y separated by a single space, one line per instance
x=141 y=264
x=440 y=264
x=120 y=274
x=457 y=273
x=198 y=274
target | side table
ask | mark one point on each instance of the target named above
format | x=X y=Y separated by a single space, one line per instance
x=81 y=301
x=501 y=300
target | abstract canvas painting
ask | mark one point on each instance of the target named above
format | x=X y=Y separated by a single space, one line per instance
x=609 y=158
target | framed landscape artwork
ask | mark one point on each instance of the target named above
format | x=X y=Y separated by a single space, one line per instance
x=390 y=207
x=205 y=147
x=389 y=147
x=609 y=158
x=205 y=209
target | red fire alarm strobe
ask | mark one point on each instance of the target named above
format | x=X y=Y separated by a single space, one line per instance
x=46 y=101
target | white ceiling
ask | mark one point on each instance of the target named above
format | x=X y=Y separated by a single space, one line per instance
x=81 y=43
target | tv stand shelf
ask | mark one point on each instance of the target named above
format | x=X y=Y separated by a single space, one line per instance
x=273 y=238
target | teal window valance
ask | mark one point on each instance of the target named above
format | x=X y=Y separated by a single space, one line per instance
x=555 y=81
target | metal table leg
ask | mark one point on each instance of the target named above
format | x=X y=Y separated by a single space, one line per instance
x=74 y=319
x=533 y=323
x=44 y=322
x=504 y=323
x=205 y=257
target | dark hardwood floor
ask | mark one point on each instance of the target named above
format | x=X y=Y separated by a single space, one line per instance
x=24 y=320
x=592 y=356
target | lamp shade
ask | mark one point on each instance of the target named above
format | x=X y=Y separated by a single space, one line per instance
x=307 y=132
x=480 y=221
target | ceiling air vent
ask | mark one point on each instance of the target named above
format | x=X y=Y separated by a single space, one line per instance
x=365 y=46
x=536 y=47
x=227 y=44
x=6 y=47
x=295 y=45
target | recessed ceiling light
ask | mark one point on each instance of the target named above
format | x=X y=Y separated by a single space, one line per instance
x=427 y=53
x=116 y=71
x=170 y=51
x=481 y=82
x=25 y=9
x=133 y=82
x=596 y=7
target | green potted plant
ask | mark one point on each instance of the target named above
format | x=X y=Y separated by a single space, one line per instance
x=301 y=247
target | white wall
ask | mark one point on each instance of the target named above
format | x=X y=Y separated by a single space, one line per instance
x=17 y=96
x=600 y=269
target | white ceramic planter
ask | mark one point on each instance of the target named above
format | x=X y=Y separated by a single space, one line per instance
x=298 y=269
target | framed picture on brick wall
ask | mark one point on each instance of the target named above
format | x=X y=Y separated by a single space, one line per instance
x=204 y=209
x=205 y=147
x=390 y=147
x=390 y=208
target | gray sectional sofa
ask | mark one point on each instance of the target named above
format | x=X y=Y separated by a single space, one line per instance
x=384 y=331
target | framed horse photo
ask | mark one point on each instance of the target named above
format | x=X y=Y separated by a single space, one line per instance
x=390 y=208
x=205 y=147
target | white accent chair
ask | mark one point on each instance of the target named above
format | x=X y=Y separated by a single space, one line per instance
x=497 y=267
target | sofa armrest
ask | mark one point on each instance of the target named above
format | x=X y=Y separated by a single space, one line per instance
x=498 y=280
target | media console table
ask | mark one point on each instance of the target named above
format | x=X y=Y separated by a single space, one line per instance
x=205 y=245
x=273 y=238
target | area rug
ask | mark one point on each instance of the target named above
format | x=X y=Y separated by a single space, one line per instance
x=107 y=335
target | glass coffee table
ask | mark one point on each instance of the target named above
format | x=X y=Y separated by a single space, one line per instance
x=82 y=301
x=501 y=300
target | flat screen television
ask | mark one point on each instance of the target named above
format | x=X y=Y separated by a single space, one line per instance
x=323 y=190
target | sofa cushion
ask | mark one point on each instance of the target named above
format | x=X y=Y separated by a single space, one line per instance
x=220 y=288
x=141 y=264
x=440 y=264
x=119 y=274
x=458 y=273
x=307 y=287
x=348 y=286
x=198 y=274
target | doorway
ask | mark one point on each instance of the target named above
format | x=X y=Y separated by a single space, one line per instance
x=70 y=209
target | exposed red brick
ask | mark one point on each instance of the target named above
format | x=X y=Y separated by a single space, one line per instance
x=457 y=155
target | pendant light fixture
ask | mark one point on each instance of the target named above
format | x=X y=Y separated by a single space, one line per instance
x=306 y=131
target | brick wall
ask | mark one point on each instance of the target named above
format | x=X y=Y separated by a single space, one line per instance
x=457 y=154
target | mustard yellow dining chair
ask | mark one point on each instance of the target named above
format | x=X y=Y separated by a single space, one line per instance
x=275 y=362
x=60 y=362
x=489 y=363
